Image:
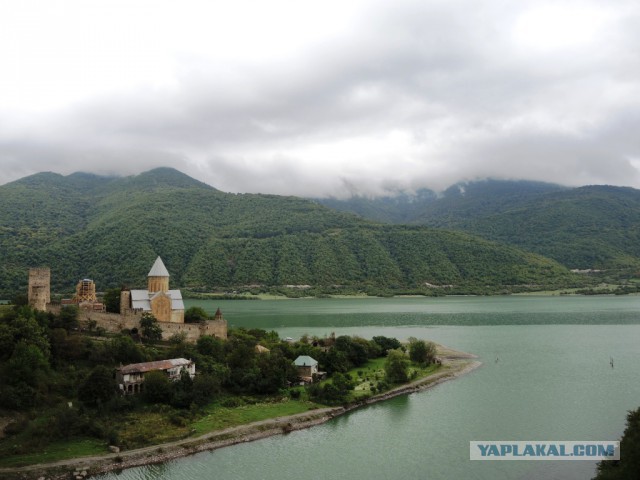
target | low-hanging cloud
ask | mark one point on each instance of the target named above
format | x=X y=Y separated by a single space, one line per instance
x=400 y=96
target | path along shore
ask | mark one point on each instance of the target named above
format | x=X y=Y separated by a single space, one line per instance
x=455 y=364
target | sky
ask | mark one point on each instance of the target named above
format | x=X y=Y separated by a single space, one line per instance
x=328 y=98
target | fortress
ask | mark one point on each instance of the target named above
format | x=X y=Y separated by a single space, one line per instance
x=166 y=306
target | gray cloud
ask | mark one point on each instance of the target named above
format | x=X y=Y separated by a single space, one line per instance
x=413 y=94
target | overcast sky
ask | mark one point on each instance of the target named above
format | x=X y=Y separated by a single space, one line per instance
x=323 y=98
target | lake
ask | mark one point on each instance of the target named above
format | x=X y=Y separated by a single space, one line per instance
x=545 y=376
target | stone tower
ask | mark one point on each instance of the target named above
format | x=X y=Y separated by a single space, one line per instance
x=125 y=301
x=39 y=288
x=158 y=278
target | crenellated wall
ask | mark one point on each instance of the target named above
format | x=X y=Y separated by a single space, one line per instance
x=114 y=323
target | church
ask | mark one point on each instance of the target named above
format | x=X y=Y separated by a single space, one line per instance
x=165 y=304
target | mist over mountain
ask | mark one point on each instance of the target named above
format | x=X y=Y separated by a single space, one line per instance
x=590 y=227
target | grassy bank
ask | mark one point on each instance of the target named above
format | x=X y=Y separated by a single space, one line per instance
x=150 y=426
x=372 y=374
x=218 y=417
x=53 y=452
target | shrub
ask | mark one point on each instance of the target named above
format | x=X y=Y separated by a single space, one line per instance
x=421 y=352
x=232 y=402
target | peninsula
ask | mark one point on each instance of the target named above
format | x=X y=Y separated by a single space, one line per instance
x=453 y=365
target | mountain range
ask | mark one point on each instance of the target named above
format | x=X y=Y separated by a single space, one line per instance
x=590 y=227
x=111 y=229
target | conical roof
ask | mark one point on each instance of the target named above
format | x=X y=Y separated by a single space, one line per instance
x=158 y=269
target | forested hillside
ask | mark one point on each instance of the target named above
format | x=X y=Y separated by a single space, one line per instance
x=593 y=227
x=111 y=230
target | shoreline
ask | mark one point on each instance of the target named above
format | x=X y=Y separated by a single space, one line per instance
x=456 y=363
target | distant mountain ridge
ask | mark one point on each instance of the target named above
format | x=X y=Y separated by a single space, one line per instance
x=111 y=229
x=461 y=200
x=591 y=227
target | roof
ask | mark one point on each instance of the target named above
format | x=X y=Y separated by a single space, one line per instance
x=158 y=269
x=157 y=365
x=305 y=361
x=141 y=299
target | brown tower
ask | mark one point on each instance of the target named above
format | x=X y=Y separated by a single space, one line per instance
x=158 y=278
x=39 y=288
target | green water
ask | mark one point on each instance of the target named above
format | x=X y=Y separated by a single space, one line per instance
x=552 y=381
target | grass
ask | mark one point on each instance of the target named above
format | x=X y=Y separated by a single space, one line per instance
x=372 y=373
x=149 y=427
x=53 y=452
x=218 y=417
x=140 y=429
x=367 y=376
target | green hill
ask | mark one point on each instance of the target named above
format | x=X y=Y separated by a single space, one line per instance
x=111 y=230
x=594 y=227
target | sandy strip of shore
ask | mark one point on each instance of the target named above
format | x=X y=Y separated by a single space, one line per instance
x=455 y=363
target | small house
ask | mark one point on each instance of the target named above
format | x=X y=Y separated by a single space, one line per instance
x=306 y=366
x=130 y=378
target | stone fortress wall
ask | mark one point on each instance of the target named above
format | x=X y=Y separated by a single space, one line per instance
x=129 y=318
x=115 y=323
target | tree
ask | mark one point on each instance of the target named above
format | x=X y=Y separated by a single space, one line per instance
x=183 y=391
x=157 y=387
x=150 y=328
x=628 y=467
x=25 y=377
x=205 y=388
x=343 y=382
x=67 y=318
x=396 y=366
x=334 y=392
x=355 y=351
x=387 y=343
x=111 y=300
x=20 y=299
x=275 y=372
x=27 y=365
x=421 y=352
x=20 y=325
x=334 y=361
x=123 y=350
x=211 y=347
x=195 y=315
x=98 y=387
